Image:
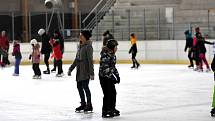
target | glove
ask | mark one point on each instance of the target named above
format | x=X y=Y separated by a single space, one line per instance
x=69 y=73
x=91 y=77
x=118 y=79
x=115 y=78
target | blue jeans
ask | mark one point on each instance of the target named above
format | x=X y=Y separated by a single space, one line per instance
x=83 y=87
x=17 y=63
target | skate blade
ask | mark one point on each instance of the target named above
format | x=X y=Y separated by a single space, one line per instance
x=88 y=112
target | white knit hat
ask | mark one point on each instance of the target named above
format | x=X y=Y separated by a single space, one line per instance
x=41 y=31
x=33 y=42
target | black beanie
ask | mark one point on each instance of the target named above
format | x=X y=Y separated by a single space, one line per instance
x=87 y=34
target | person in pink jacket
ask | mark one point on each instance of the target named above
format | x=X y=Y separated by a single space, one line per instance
x=35 y=56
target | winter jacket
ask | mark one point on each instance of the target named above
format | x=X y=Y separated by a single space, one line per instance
x=61 y=42
x=200 y=45
x=84 y=62
x=16 y=51
x=189 y=41
x=57 y=51
x=107 y=64
x=133 y=48
x=36 y=54
x=46 y=47
x=4 y=42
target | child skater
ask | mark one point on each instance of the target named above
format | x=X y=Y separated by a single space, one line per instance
x=133 y=51
x=85 y=70
x=109 y=76
x=18 y=56
x=35 y=56
x=57 y=53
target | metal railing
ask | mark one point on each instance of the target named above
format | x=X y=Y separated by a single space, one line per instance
x=92 y=19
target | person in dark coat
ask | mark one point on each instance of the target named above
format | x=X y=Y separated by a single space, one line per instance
x=133 y=51
x=85 y=70
x=189 y=46
x=109 y=76
x=46 y=48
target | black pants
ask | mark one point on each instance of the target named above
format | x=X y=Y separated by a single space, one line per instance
x=46 y=59
x=36 y=69
x=134 y=60
x=83 y=88
x=5 y=58
x=190 y=56
x=109 y=91
x=59 y=66
x=213 y=66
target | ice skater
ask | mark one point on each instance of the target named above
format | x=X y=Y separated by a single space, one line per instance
x=18 y=56
x=35 y=56
x=109 y=76
x=85 y=70
x=133 y=51
x=202 y=50
x=58 y=37
x=57 y=54
x=189 y=46
x=213 y=69
x=4 y=44
x=46 y=48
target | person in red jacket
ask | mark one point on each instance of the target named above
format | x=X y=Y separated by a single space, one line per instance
x=4 y=45
x=57 y=54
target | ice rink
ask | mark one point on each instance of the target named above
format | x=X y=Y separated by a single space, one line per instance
x=151 y=93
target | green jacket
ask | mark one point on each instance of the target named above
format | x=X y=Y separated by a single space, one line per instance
x=84 y=62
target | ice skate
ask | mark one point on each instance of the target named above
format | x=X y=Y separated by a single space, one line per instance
x=81 y=107
x=138 y=65
x=88 y=108
x=191 y=66
x=132 y=67
x=107 y=114
x=60 y=75
x=38 y=77
x=34 y=77
x=116 y=112
x=208 y=70
x=213 y=112
x=14 y=74
x=47 y=71
x=53 y=70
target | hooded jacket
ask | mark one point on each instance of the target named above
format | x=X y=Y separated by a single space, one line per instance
x=84 y=62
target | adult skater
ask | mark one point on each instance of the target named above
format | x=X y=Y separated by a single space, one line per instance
x=213 y=68
x=4 y=44
x=46 y=48
x=109 y=76
x=189 y=46
x=58 y=37
x=133 y=51
x=85 y=70
x=202 y=50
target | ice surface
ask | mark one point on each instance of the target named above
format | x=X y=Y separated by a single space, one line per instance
x=151 y=93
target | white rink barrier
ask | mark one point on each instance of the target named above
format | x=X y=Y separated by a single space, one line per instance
x=152 y=50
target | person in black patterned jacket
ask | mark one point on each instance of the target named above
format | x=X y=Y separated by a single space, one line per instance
x=109 y=76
